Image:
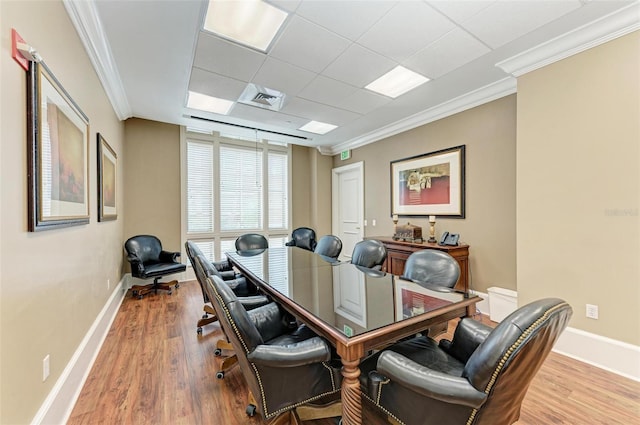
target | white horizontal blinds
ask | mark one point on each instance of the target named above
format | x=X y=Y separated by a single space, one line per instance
x=240 y=188
x=200 y=202
x=207 y=248
x=226 y=245
x=277 y=179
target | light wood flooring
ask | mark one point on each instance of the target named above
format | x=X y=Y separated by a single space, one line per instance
x=154 y=369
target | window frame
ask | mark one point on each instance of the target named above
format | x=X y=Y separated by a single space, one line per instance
x=218 y=235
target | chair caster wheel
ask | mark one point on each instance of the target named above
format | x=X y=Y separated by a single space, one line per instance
x=251 y=410
x=218 y=352
x=220 y=375
x=199 y=331
x=204 y=316
x=177 y=285
x=169 y=293
x=139 y=296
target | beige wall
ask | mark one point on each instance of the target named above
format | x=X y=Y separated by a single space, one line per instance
x=579 y=186
x=53 y=284
x=152 y=167
x=489 y=133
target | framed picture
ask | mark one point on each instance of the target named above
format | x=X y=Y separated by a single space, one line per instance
x=107 y=172
x=58 y=151
x=429 y=184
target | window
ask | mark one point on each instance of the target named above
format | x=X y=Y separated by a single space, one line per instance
x=234 y=186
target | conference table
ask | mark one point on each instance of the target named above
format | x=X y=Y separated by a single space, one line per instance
x=355 y=309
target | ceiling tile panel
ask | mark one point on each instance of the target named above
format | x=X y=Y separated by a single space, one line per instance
x=349 y=19
x=359 y=66
x=364 y=101
x=405 y=29
x=453 y=50
x=267 y=117
x=307 y=45
x=225 y=58
x=460 y=10
x=318 y=112
x=503 y=21
x=328 y=91
x=286 y=78
x=215 y=85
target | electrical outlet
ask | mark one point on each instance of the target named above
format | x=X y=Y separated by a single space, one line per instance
x=108 y=284
x=373 y=222
x=365 y=223
x=592 y=311
x=45 y=368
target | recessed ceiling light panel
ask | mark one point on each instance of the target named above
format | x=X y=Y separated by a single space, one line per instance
x=253 y=23
x=396 y=82
x=203 y=102
x=317 y=127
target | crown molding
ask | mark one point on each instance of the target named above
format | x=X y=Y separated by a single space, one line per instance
x=477 y=97
x=85 y=19
x=607 y=28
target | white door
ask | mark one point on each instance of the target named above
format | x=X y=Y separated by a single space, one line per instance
x=347 y=198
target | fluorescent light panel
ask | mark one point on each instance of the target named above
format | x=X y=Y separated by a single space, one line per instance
x=396 y=82
x=203 y=102
x=253 y=23
x=317 y=127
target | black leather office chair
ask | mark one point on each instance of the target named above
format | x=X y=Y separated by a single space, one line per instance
x=432 y=269
x=251 y=241
x=221 y=269
x=149 y=260
x=285 y=365
x=303 y=237
x=369 y=253
x=480 y=377
x=329 y=246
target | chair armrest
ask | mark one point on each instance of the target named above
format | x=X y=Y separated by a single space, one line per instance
x=290 y=243
x=428 y=382
x=253 y=302
x=227 y=274
x=468 y=335
x=222 y=266
x=168 y=257
x=313 y=350
x=269 y=321
x=137 y=268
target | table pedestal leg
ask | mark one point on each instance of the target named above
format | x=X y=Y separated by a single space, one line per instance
x=351 y=401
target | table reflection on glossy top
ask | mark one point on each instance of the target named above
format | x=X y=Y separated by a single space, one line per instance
x=349 y=298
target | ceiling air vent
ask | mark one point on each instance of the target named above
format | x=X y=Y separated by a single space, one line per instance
x=262 y=97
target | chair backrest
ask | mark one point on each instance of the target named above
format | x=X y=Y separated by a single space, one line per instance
x=145 y=247
x=432 y=267
x=504 y=364
x=193 y=250
x=250 y=241
x=329 y=246
x=303 y=237
x=369 y=253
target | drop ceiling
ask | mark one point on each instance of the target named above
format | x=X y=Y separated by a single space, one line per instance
x=150 y=54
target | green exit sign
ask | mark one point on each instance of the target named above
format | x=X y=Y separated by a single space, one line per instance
x=345 y=155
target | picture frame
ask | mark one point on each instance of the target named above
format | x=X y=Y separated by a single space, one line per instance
x=58 y=153
x=431 y=184
x=107 y=180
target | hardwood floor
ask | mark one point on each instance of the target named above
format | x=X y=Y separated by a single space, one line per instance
x=154 y=369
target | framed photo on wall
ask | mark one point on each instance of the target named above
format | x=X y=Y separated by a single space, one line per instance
x=58 y=151
x=107 y=180
x=429 y=184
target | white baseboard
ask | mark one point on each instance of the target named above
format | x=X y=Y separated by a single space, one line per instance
x=605 y=353
x=58 y=405
x=609 y=354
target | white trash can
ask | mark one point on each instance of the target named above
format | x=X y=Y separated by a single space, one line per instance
x=502 y=302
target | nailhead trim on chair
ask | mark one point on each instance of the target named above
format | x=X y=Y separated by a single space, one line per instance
x=510 y=351
x=262 y=393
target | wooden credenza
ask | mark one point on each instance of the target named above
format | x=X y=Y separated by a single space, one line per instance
x=399 y=251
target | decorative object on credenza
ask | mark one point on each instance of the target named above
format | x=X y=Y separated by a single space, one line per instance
x=408 y=233
x=432 y=229
x=107 y=181
x=429 y=184
x=395 y=223
x=58 y=151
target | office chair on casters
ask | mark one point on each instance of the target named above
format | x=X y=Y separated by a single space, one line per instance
x=251 y=241
x=432 y=269
x=369 y=253
x=149 y=260
x=480 y=377
x=303 y=237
